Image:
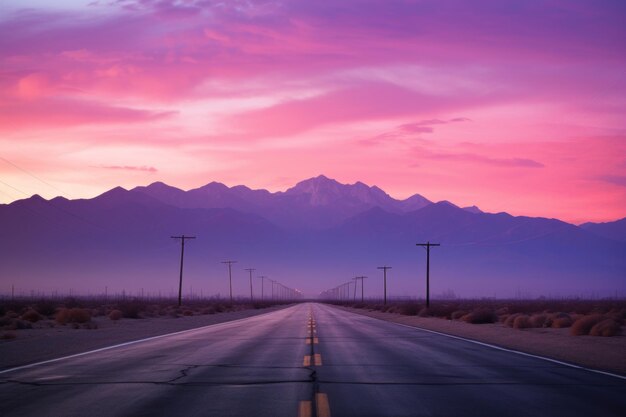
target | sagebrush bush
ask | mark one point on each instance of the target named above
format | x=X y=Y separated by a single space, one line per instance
x=457 y=315
x=606 y=328
x=72 y=315
x=583 y=325
x=408 y=309
x=538 y=320
x=560 y=320
x=522 y=321
x=131 y=309
x=510 y=319
x=45 y=308
x=32 y=316
x=8 y=335
x=115 y=315
x=480 y=316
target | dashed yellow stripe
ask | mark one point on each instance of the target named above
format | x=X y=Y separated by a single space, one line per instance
x=315 y=340
x=305 y=409
x=317 y=359
x=323 y=408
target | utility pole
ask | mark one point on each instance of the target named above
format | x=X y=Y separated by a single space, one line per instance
x=427 y=245
x=362 y=292
x=182 y=254
x=262 y=286
x=385 y=268
x=250 y=271
x=230 y=277
x=272 y=281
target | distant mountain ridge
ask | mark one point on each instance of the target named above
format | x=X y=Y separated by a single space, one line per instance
x=319 y=233
x=315 y=203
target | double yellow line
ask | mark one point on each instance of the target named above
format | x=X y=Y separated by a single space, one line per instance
x=322 y=407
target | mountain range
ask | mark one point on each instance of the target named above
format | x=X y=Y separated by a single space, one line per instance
x=314 y=236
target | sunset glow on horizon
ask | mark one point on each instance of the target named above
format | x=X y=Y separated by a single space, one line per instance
x=513 y=106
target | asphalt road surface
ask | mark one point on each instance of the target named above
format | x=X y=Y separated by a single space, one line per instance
x=307 y=360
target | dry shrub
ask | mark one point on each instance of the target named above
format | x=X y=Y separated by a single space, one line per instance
x=15 y=324
x=31 y=315
x=131 y=309
x=408 y=309
x=425 y=312
x=559 y=320
x=522 y=321
x=457 y=315
x=209 y=310
x=538 y=320
x=583 y=325
x=480 y=316
x=510 y=319
x=502 y=311
x=606 y=328
x=90 y=325
x=116 y=315
x=8 y=335
x=72 y=315
x=45 y=308
x=187 y=313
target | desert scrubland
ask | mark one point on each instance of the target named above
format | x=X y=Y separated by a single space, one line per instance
x=583 y=332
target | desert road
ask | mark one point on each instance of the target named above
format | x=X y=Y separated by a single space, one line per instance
x=307 y=360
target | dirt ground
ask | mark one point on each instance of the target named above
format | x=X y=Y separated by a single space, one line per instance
x=44 y=342
x=601 y=353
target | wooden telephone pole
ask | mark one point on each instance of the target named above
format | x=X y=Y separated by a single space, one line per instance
x=427 y=245
x=182 y=254
x=385 y=268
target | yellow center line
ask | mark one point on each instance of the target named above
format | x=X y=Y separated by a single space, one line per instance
x=314 y=339
x=318 y=359
x=323 y=408
x=305 y=409
x=307 y=360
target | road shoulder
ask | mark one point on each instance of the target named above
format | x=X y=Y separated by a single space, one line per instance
x=601 y=353
x=37 y=345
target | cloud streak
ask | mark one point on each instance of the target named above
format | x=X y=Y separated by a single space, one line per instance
x=234 y=90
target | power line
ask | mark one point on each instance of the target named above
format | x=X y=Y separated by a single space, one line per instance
x=30 y=174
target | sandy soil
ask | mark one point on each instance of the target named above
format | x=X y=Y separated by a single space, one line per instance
x=602 y=353
x=45 y=342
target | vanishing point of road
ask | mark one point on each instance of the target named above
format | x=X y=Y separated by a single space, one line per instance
x=307 y=360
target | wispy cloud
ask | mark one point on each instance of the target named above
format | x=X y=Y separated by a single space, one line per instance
x=256 y=85
x=130 y=168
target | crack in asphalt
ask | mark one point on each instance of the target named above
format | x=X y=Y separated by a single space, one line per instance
x=182 y=373
x=170 y=383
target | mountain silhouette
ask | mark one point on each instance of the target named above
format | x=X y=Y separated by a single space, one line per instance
x=313 y=236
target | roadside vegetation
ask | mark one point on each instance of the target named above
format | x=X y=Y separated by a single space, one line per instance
x=582 y=317
x=85 y=313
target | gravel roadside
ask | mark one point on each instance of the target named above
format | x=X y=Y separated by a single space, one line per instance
x=601 y=353
x=36 y=345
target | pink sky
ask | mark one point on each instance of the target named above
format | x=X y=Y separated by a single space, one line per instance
x=513 y=106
